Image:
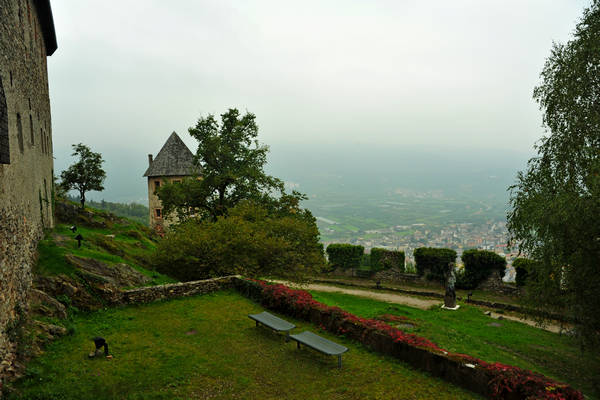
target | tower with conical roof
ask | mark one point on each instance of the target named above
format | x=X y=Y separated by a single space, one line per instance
x=172 y=164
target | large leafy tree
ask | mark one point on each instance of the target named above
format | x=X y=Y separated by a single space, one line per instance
x=231 y=162
x=86 y=174
x=555 y=203
x=254 y=239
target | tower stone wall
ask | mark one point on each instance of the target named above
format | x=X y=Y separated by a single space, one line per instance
x=173 y=163
x=157 y=220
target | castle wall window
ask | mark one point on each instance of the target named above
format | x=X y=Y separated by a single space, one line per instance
x=158 y=212
x=4 y=144
x=31 y=130
x=20 y=133
x=176 y=180
x=156 y=185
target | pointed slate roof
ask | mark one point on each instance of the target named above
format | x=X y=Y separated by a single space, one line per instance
x=173 y=159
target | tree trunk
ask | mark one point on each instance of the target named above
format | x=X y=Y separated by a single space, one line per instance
x=82 y=199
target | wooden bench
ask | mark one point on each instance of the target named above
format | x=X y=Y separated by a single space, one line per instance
x=321 y=344
x=273 y=322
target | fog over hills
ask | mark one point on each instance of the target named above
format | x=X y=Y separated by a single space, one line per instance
x=356 y=170
x=348 y=171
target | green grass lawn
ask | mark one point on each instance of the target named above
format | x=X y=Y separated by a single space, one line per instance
x=206 y=347
x=468 y=331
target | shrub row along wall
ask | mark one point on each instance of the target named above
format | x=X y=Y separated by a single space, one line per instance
x=432 y=263
x=345 y=256
x=382 y=259
x=480 y=265
x=493 y=380
x=524 y=268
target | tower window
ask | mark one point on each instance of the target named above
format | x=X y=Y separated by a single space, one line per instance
x=158 y=212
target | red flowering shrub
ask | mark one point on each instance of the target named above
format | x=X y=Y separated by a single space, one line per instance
x=503 y=381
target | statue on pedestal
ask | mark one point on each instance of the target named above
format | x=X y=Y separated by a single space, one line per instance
x=450 y=296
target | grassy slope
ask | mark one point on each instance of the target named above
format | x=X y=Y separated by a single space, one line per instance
x=468 y=331
x=228 y=357
x=133 y=244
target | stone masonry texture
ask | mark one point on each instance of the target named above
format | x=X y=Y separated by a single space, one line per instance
x=26 y=38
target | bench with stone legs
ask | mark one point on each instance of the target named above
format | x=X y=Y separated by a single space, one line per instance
x=321 y=344
x=273 y=322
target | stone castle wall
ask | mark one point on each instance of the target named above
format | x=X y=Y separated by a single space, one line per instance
x=25 y=161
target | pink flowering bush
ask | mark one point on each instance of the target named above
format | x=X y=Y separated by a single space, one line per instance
x=503 y=381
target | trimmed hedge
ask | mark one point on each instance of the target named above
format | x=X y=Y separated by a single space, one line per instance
x=524 y=268
x=386 y=259
x=494 y=380
x=433 y=260
x=365 y=261
x=479 y=264
x=345 y=255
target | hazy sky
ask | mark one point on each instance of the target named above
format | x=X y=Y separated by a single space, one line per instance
x=401 y=73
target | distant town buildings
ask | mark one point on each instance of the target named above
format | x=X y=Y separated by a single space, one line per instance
x=490 y=236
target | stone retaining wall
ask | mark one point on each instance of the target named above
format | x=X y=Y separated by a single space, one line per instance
x=170 y=291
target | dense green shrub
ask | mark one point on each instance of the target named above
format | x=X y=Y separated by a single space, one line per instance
x=479 y=264
x=365 y=261
x=434 y=260
x=385 y=259
x=345 y=255
x=376 y=257
x=394 y=259
x=251 y=241
x=525 y=269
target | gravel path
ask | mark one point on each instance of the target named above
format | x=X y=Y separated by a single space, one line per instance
x=383 y=296
x=410 y=301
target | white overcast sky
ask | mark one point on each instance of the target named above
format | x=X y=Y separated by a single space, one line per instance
x=454 y=73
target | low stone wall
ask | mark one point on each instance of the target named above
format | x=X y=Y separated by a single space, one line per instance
x=395 y=275
x=174 y=290
x=392 y=275
x=494 y=283
x=348 y=272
